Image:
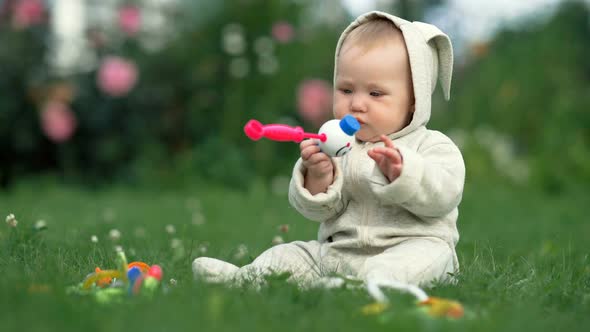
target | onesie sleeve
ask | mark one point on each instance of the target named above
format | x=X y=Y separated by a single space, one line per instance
x=319 y=207
x=431 y=182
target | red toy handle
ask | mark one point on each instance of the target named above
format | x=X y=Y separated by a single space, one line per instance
x=278 y=132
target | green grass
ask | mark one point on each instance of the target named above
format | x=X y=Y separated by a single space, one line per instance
x=524 y=263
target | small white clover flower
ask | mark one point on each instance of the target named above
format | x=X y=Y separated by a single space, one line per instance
x=233 y=39
x=11 y=220
x=94 y=239
x=170 y=229
x=173 y=282
x=118 y=248
x=241 y=252
x=202 y=248
x=198 y=219
x=40 y=225
x=114 y=234
x=277 y=240
x=175 y=243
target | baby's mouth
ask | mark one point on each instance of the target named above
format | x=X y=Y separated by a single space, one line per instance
x=361 y=122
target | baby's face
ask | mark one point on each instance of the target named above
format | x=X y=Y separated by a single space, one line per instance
x=375 y=86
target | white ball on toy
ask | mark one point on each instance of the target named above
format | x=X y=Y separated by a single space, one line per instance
x=339 y=136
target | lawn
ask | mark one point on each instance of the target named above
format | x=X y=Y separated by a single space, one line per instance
x=524 y=262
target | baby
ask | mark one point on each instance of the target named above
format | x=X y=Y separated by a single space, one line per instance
x=388 y=208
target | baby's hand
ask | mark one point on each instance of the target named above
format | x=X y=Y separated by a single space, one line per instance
x=320 y=170
x=388 y=158
x=318 y=164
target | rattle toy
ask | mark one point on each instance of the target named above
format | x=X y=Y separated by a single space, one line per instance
x=334 y=138
x=131 y=279
x=434 y=306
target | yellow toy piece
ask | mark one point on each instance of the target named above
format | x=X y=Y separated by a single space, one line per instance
x=104 y=282
x=438 y=307
x=374 y=308
x=101 y=276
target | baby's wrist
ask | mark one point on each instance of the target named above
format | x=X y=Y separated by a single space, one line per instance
x=319 y=182
x=321 y=177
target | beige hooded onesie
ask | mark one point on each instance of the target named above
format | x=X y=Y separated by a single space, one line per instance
x=369 y=228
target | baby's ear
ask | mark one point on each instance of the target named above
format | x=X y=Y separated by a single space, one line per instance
x=444 y=50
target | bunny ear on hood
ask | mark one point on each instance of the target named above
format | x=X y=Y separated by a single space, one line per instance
x=440 y=45
x=431 y=58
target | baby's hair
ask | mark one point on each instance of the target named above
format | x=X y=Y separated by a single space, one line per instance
x=372 y=33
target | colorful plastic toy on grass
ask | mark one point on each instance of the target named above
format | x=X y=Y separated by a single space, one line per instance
x=335 y=137
x=148 y=282
x=435 y=307
x=112 y=285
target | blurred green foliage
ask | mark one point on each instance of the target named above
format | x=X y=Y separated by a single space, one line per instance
x=522 y=105
x=22 y=144
x=519 y=109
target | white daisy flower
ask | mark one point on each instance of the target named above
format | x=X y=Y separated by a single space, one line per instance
x=241 y=252
x=202 y=248
x=114 y=234
x=11 y=220
x=198 y=219
x=40 y=225
x=175 y=243
x=277 y=240
x=170 y=229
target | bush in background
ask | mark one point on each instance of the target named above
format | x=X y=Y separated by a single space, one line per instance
x=520 y=109
x=184 y=94
x=154 y=104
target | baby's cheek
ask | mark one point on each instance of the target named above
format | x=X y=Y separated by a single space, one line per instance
x=339 y=108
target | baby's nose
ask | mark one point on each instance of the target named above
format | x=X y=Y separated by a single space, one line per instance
x=357 y=104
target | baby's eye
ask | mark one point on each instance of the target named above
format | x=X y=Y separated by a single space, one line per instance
x=375 y=93
x=346 y=91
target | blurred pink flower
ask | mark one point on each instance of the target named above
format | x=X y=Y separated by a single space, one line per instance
x=283 y=31
x=57 y=121
x=116 y=76
x=129 y=19
x=27 y=12
x=314 y=100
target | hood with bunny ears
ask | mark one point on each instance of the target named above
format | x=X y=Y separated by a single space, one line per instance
x=431 y=58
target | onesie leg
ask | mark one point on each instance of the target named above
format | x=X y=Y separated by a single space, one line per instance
x=417 y=261
x=213 y=270
x=299 y=259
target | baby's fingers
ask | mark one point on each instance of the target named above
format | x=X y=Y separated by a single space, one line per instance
x=387 y=141
x=307 y=142
x=309 y=151
x=316 y=158
x=392 y=155
x=376 y=156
